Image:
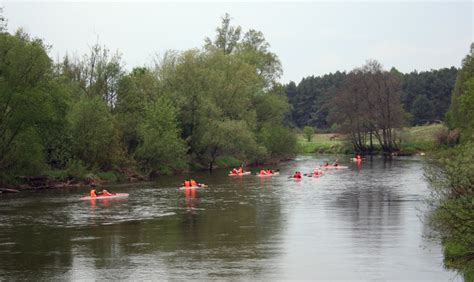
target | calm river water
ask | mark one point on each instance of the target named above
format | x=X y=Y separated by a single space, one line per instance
x=357 y=223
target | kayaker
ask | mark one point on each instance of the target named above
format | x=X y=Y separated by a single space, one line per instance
x=263 y=172
x=240 y=170
x=297 y=175
x=193 y=183
x=105 y=193
x=336 y=163
x=234 y=171
x=326 y=164
x=316 y=172
x=358 y=158
x=269 y=171
x=93 y=192
x=187 y=183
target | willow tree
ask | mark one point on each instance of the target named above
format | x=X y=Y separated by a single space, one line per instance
x=368 y=106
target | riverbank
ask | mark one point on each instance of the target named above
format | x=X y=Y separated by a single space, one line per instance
x=415 y=140
x=78 y=176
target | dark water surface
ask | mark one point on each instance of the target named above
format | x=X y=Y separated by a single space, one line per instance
x=356 y=223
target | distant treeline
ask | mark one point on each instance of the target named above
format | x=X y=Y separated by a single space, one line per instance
x=188 y=109
x=425 y=96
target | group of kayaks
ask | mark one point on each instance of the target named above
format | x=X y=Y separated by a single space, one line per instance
x=192 y=184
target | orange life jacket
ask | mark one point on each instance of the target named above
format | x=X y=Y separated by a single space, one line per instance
x=187 y=183
x=193 y=183
x=263 y=172
x=92 y=193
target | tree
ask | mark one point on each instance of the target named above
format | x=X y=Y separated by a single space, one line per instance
x=308 y=132
x=422 y=110
x=162 y=150
x=227 y=36
x=97 y=74
x=461 y=114
x=368 y=105
x=26 y=102
x=136 y=90
x=94 y=135
x=216 y=142
x=3 y=21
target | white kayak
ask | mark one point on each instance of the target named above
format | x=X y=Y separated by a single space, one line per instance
x=115 y=195
x=193 y=187
x=265 y=175
x=240 y=174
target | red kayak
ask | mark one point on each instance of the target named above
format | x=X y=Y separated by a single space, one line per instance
x=114 y=195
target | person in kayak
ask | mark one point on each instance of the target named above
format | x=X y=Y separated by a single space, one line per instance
x=240 y=170
x=187 y=183
x=263 y=172
x=194 y=183
x=316 y=172
x=297 y=175
x=105 y=193
x=336 y=163
x=93 y=191
x=269 y=171
x=234 y=171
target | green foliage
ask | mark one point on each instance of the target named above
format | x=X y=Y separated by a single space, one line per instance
x=230 y=137
x=278 y=140
x=29 y=103
x=95 y=139
x=308 y=132
x=462 y=103
x=162 y=149
x=85 y=114
x=310 y=97
x=453 y=216
x=422 y=110
x=108 y=176
x=135 y=91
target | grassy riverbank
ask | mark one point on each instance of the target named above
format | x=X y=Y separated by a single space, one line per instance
x=414 y=139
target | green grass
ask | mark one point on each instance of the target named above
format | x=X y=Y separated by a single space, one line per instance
x=420 y=138
x=320 y=143
x=414 y=139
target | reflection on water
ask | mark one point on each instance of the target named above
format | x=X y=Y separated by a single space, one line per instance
x=355 y=223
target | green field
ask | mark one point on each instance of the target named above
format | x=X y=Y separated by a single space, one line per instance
x=414 y=139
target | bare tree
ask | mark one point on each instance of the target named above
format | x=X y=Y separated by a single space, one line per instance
x=367 y=106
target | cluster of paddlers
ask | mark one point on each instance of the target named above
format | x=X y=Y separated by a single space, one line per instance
x=191 y=183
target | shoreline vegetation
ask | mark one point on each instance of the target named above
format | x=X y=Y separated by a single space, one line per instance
x=414 y=141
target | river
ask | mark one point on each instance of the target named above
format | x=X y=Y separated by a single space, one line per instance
x=359 y=223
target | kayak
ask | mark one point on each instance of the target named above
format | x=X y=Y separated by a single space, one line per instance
x=240 y=174
x=264 y=175
x=334 y=166
x=115 y=195
x=193 y=187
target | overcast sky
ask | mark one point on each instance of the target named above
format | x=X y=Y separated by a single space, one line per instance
x=312 y=38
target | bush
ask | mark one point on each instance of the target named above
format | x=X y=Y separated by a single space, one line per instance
x=308 y=133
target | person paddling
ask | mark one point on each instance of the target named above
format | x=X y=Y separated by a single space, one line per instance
x=105 y=193
x=297 y=175
x=93 y=191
